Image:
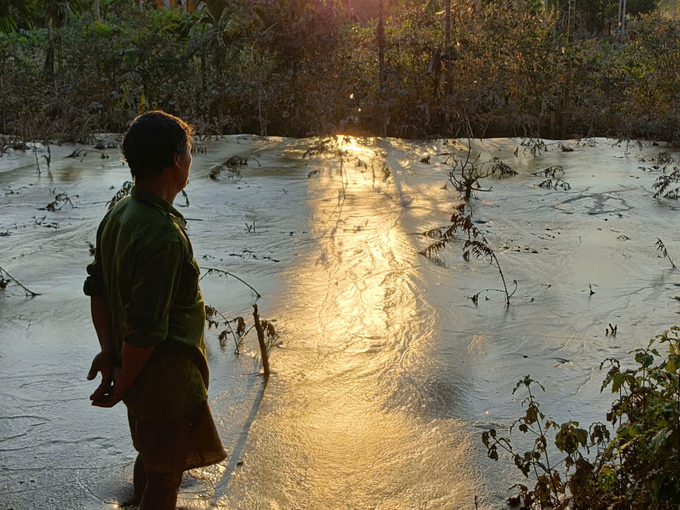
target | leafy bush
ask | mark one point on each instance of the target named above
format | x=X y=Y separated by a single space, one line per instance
x=638 y=467
x=308 y=67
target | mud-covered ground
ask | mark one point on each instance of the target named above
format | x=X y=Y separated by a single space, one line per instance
x=387 y=373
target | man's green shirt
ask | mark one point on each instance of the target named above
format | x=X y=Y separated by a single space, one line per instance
x=145 y=268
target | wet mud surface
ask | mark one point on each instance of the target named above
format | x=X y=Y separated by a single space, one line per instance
x=387 y=373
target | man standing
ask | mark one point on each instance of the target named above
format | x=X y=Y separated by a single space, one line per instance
x=149 y=315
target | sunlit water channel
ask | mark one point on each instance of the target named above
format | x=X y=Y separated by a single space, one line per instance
x=387 y=373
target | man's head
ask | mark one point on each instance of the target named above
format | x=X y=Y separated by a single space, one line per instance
x=156 y=141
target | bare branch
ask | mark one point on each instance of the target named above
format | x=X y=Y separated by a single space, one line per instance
x=210 y=270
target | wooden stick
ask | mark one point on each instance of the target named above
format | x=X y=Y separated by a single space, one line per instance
x=263 y=346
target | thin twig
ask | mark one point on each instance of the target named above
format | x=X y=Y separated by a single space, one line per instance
x=227 y=273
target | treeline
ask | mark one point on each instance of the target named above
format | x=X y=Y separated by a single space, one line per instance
x=69 y=68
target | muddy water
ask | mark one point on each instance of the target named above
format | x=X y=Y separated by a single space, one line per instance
x=387 y=373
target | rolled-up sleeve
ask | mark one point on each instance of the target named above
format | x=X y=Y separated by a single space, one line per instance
x=94 y=283
x=154 y=285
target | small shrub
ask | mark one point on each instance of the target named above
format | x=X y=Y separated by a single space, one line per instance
x=465 y=175
x=636 y=465
x=60 y=200
x=554 y=184
x=501 y=170
x=476 y=246
x=661 y=248
x=663 y=184
x=556 y=171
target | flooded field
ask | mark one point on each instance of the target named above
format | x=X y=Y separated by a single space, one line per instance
x=387 y=373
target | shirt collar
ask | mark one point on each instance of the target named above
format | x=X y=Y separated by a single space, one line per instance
x=155 y=201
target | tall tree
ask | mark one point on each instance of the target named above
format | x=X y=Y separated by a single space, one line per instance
x=447 y=51
x=381 y=44
x=622 y=18
x=218 y=25
x=56 y=13
x=566 y=107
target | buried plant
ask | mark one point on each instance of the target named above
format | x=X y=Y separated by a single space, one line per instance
x=266 y=332
x=665 y=159
x=554 y=181
x=534 y=145
x=636 y=467
x=217 y=319
x=6 y=279
x=501 y=170
x=664 y=182
x=556 y=172
x=470 y=173
x=476 y=246
x=48 y=157
x=661 y=248
x=60 y=200
x=554 y=184
x=78 y=153
x=330 y=144
x=124 y=191
x=384 y=169
x=232 y=166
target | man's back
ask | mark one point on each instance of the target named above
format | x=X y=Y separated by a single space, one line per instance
x=145 y=267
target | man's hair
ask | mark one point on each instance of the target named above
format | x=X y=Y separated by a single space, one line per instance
x=152 y=142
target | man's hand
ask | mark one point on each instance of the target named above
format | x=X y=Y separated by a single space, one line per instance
x=120 y=384
x=134 y=359
x=102 y=362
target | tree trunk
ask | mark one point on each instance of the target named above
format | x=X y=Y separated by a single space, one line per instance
x=381 y=64
x=49 y=57
x=623 y=20
x=381 y=45
x=97 y=11
x=448 y=65
x=447 y=51
x=566 y=105
x=3 y=95
x=436 y=70
x=204 y=84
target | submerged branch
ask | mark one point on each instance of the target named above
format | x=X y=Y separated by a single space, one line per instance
x=4 y=281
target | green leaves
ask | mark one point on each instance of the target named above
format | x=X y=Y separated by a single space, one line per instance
x=659 y=440
x=645 y=359
x=570 y=438
x=131 y=56
x=527 y=381
x=635 y=468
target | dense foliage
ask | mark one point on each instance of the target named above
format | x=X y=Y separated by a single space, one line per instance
x=304 y=67
x=637 y=467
